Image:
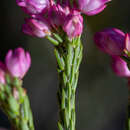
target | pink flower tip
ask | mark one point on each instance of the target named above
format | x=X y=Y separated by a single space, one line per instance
x=18 y=62
x=73 y=25
x=33 y=6
x=127 y=42
x=120 y=67
x=56 y=15
x=92 y=7
x=2 y=73
x=36 y=27
x=111 y=41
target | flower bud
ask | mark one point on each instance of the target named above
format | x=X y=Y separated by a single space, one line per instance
x=73 y=25
x=2 y=73
x=127 y=43
x=36 y=27
x=33 y=6
x=92 y=7
x=56 y=16
x=18 y=62
x=111 y=41
x=120 y=67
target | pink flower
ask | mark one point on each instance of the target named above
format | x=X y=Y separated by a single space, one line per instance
x=73 y=25
x=92 y=7
x=33 y=6
x=56 y=15
x=18 y=62
x=36 y=27
x=127 y=42
x=2 y=73
x=120 y=67
x=111 y=41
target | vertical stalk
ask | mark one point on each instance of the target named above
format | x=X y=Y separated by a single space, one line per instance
x=68 y=55
x=15 y=104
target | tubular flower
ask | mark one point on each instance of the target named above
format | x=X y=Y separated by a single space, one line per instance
x=73 y=25
x=110 y=41
x=92 y=7
x=120 y=67
x=56 y=16
x=18 y=62
x=33 y=6
x=36 y=27
x=2 y=73
x=127 y=43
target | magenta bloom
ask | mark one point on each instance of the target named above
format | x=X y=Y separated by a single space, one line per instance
x=111 y=41
x=18 y=62
x=127 y=42
x=92 y=7
x=2 y=73
x=56 y=16
x=73 y=25
x=33 y=6
x=36 y=27
x=120 y=67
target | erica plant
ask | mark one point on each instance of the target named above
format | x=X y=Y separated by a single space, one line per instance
x=116 y=43
x=13 y=98
x=61 y=22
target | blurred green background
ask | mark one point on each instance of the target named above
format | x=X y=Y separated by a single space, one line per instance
x=101 y=95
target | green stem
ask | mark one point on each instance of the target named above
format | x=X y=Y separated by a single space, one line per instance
x=15 y=104
x=68 y=55
x=128 y=123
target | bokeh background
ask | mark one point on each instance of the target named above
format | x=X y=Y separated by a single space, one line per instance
x=101 y=95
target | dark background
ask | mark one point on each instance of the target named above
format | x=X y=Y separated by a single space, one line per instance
x=101 y=95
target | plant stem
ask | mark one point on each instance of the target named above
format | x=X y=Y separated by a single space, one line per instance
x=15 y=104
x=68 y=55
x=128 y=123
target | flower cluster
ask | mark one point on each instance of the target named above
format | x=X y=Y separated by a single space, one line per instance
x=117 y=44
x=47 y=16
x=16 y=64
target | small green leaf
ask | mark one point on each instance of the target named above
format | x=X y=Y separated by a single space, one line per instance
x=66 y=118
x=53 y=41
x=8 y=90
x=24 y=125
x=65 y=78
x=2 y=96
x=60 y=59
x=60 y=126
x=63 y=99
x=13 y=105
x=58 y=37
x=69 y=59
x=8 y=79
x=74 y=85
x=26 y=108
